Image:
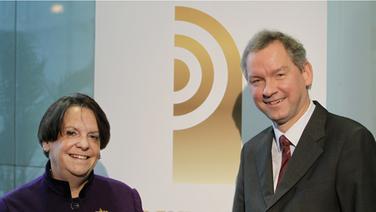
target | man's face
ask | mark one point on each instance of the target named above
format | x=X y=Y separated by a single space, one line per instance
x=76 y=150
x=278 y=87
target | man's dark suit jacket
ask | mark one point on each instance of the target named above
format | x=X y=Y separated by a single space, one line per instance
x=333 y=168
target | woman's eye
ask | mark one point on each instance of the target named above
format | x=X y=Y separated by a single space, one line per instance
x=94 y=137
x=70 y=133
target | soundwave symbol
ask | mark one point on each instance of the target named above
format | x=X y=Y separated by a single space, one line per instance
x=207 y=81
x=199 y=84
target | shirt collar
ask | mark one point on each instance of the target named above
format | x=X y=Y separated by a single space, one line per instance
x=62 y=187
x=296 y=130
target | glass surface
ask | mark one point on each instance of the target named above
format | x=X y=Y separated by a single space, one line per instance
x=6 y=179
x=55 y=57
x=46 y=51
x=26 y=174
x=7 y=82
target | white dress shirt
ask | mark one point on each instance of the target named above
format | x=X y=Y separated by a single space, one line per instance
x=293 y=134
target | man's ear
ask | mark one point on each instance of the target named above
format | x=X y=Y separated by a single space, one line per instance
x=307 y=74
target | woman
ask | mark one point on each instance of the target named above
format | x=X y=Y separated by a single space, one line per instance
x=72 y=132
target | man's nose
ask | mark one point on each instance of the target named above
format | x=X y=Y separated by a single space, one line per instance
x=269 y=89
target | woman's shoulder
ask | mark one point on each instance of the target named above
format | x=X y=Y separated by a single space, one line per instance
x=25 y=189
x=116 y=189
x=113 y=183
x=25 y=194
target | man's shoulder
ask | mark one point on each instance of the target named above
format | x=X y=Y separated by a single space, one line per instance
x=343 y=123
x=336 y=118
x=341 y=126
x=344 y=128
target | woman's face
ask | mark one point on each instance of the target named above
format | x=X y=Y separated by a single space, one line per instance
x=77 y=148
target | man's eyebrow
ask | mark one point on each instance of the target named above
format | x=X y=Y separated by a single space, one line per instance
x=282 y=68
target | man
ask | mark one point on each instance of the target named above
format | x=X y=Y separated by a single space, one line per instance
x=309 y=159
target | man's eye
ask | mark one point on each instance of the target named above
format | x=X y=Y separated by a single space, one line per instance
x=281 y=74
x=255 y=81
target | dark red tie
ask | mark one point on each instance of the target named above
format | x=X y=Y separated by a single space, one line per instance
x=286 y=155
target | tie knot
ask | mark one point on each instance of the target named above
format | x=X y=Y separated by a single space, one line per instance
x=284 y=142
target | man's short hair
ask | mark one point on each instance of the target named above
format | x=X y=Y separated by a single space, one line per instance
x=263 y=38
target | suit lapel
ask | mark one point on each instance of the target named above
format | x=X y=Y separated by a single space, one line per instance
x=305 y=154
x=264 y=165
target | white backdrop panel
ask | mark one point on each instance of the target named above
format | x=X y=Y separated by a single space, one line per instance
x=134 y=84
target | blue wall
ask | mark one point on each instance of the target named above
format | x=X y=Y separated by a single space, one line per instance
x=352 y=61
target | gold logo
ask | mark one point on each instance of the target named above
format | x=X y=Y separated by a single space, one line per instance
x=206 y=142
x=101 y=210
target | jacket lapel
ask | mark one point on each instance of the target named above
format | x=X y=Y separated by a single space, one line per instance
x=264 y=165
x=305 y=154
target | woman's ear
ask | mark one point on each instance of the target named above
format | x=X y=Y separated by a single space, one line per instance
x=45 y=146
